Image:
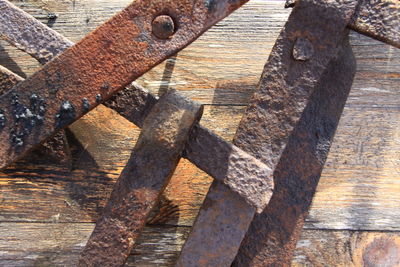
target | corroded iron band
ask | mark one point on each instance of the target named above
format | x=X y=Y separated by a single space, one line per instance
x=379 y=19
x=311 y=39
x=123 y=46
x=229 y=164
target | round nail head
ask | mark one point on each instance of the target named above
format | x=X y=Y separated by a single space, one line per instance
x=163 y=27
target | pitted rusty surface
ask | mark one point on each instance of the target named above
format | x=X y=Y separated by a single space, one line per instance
x=124 y=46
x=228 y=164
x=379 y=19
x=134 y=103
x=273 y=234
x=29 y=35
x=152 y=163
x=220 y=226
x=299 y=125
x=241 y=172
x=8 y=80
x=284 y=92
x=56 y=147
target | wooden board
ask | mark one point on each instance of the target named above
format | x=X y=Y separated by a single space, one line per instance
x=47 y=211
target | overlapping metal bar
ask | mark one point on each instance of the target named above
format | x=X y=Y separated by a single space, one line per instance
x=309 y=41
x=288 y=126
x=134 y=103
x=79 y=79
x=147 y=173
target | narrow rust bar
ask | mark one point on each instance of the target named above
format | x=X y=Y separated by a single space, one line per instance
x=311 y=39
x=379 y=19
x=152 y=163
x=134 y=103
x=102 y=63
x=273 y=234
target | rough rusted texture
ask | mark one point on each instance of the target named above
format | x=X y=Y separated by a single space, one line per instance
x=56 y=148
x=8 y=80
x=273 y=234
x=225 y=162
x=135 y=102
x=379 y=19
x=220 y=226
x=152 y=163
x=286 y=84
x=285 y=90
x=124 y=47
x=29 y=35
x=228 y=164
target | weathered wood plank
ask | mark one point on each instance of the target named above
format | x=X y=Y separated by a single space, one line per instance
x=347 y=248
x=59 y=244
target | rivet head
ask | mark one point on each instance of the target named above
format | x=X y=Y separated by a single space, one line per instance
x=163 y=27
x=303 y=49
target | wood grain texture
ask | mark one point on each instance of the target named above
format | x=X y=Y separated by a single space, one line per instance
x=59 y=244
x=49 y=211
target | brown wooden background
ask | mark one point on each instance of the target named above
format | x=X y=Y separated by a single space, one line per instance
x=47 y=211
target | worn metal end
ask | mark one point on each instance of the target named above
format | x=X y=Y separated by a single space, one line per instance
x=239 y=171
x=218 y=230
x=379 y=19
x=152 y=163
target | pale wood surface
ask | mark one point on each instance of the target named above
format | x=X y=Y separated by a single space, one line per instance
x=48 y=211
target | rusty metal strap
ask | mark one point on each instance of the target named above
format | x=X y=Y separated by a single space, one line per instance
x=228 y=165
x=134 y=103
x=80 y=78
x=311 y=39
x=379 y=19
x=147 y=173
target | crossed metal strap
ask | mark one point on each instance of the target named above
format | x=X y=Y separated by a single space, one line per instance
x=284 y=136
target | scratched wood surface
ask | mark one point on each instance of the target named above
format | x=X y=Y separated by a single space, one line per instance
x=47 y=211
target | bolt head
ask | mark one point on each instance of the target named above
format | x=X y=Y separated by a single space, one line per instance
x=163 y=27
